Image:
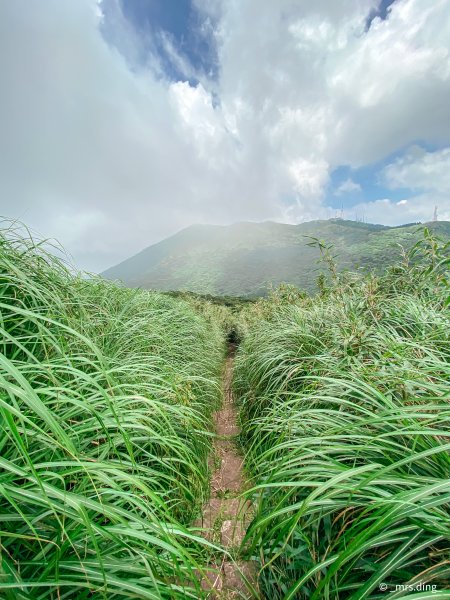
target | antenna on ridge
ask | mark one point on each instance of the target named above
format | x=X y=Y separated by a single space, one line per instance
x=435 y=214
x=342 y=211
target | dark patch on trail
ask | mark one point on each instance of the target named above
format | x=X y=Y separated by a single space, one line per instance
x=226 y=516
x=233 y=339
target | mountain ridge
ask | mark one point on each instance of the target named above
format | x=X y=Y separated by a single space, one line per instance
x=247 y=258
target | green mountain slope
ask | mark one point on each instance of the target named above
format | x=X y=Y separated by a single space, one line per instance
x=247 y=258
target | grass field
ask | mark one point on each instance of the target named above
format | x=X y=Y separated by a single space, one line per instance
x=346 y=416
x=105 y=403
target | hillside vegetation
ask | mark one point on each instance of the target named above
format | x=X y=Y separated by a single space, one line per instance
x=249 y=259
x=346 y=418
x=106 y=396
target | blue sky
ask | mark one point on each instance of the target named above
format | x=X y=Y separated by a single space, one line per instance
x=372 y=183
x=158 y=23
x=380 y=11
x=181 y=21
x=135 y=118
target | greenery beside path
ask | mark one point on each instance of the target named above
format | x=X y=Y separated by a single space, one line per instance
x=346 y=418
x=106 y=397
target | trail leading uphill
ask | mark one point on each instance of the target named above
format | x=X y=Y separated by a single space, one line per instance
x=226 y=516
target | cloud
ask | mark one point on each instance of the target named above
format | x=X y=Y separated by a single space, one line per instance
x=420 y=170
x=348 y=187
x=103 y=150
x=415 y=209
x=101 y=157
x=427 y=176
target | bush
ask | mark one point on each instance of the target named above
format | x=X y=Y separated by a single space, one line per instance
x=106 y=397
x=345 y=413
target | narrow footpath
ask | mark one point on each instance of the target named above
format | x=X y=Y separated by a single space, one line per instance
x=226 y=516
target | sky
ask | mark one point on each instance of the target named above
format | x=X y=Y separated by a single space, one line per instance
x=123 y=121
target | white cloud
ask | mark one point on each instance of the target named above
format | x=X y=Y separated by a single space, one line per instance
x=311 y=86
x=109 y=159
x=102 y=158
x=308 y=177
x=204 y=126
x=420 y=170
x=427 y=174
x=348 y=187
x=418 y=208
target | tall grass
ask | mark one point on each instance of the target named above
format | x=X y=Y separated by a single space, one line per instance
x=346 y=418
x=106 y=396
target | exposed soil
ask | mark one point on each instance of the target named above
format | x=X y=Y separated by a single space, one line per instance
x=226 y=516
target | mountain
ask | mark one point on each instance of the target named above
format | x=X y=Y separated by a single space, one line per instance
x=245 y=259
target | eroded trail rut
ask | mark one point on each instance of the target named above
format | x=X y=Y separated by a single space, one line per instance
x=226 y=516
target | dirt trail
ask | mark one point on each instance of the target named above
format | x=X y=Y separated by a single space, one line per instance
x=225 y=517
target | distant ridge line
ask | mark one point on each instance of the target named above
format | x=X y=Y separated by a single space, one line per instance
x=247 y=258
